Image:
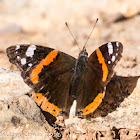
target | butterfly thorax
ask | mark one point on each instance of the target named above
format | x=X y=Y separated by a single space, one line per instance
x=81 y=63
x=81 y=66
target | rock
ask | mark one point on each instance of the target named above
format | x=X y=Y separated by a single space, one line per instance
x=129 y=62
x=12 y=28
x=11 y=81
x=18 y=121
x=20 y=116
x=117 y=116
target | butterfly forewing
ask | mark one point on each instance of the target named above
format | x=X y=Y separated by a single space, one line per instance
x=104 y=59
x=26 y=57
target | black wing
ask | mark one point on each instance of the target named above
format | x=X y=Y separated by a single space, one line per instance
x=100 y=69
x=104 y=59
x=48 y=71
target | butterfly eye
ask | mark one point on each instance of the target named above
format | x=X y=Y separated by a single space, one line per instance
x=86 y=53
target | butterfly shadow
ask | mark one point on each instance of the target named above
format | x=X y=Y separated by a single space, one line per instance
x=117 y=90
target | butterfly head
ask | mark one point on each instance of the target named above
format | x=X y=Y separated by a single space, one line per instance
x=83 y=52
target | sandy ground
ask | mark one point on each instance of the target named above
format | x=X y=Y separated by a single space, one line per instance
x=43 y=23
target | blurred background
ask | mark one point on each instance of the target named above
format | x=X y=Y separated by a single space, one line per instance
x=42 y=22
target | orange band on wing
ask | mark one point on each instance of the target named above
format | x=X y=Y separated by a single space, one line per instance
x=93 y=106
x=45 y=104
x=104 y=66
x=48 y=59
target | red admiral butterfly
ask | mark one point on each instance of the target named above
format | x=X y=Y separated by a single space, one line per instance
x=59 y=80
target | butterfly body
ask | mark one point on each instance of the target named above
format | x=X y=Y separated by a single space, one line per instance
x=59 y=79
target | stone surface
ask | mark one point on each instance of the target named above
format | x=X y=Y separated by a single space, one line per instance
x=11 y=81
x=119 y=113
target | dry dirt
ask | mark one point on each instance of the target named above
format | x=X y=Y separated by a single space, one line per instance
x=43 y=23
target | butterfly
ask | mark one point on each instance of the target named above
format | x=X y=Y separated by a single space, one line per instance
x=60 y=81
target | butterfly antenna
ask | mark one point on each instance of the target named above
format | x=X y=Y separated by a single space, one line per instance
x=91 y=32
x=72 y=35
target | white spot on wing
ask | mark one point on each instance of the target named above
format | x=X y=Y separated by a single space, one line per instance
x=18 y=57
x=110 y=48
x=29 y=64
x=109 y=62
x=117 y=44
x=73 y=109
x=17 y=47
x=23 y=61
x=30 y=50
x=113 y=58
